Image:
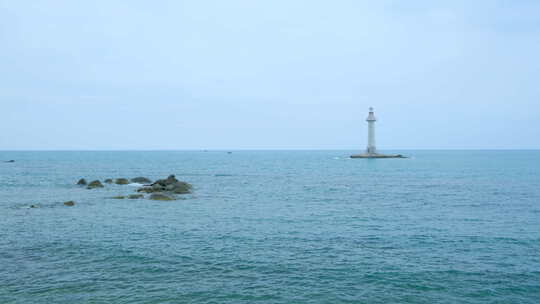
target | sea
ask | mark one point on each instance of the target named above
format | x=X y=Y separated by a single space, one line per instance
x=442 y=226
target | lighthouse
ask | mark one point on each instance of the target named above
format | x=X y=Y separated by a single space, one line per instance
x=371 y=150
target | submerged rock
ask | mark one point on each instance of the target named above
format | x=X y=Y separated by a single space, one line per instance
x=159 y=196
x=118 y=197
x=141 y=180
x=10 y=161
x=69 y=203
x=81 y=182
x=33 y=206
x=121 y=181
x=108 y=181
x=135 y=196
x=95 y=184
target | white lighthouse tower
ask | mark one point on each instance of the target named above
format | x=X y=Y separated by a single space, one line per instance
x=371 y=151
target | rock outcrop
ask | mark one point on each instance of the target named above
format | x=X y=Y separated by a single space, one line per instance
x=171 y=179
x=179 y=188
x=141 y=180
x=94 y=184
x=165 y=189
x=69 y=203
x=170 y=184
x=121 y=181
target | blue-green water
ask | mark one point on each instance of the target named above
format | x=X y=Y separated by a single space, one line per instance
x=273 y=227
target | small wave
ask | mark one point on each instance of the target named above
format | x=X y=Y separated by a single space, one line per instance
x=135 y=185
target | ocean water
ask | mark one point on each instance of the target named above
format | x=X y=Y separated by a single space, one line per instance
x=273 y=227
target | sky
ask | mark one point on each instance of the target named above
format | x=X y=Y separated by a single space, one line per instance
x=280 y=74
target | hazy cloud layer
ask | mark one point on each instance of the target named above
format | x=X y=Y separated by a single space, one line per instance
x=268 y=74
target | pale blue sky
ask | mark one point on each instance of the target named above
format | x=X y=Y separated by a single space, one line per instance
x=269 y=74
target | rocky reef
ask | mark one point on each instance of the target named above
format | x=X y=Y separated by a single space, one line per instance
x=170 y=184
x=165 y=189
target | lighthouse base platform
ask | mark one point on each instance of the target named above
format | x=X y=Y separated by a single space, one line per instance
x=377 y=155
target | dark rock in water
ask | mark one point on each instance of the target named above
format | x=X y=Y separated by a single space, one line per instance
x=82 y=182
x=33 y=206
x=159 y=196
x=118 y=197
x=141 y=180
x=158 y=187
x=69 y=203
x=164 y=182
x=95 y=184
x=153 y=188
x=169 y=185
x=181 y=188
x=135 y=196
x=10 y=161
x=121 y=181
x=146 y=189
x=108 y=181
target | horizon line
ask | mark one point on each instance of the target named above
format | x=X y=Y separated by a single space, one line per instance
x=262 y=149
